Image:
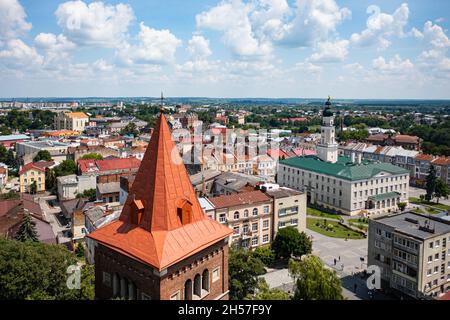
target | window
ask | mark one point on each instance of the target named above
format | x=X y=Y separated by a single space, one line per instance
x=216 y=274
x=266 y=209
x=107 y=279
x=294 y=222
x=245 y=213
x=265 y=224
x=281 y=224
x=236 y=230
x=236 y=215
x=431 y=245
x=255 y=211
x=255 y=241
x=429 y=272
x=222 y=218
x=265 y=238
x=430 y=258
x=245 y=228
x=254 y=226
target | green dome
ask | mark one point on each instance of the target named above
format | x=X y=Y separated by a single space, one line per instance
x=327 y=112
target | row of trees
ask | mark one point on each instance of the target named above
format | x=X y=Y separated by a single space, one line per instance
x=26 y=120
x=312 y=280
x=435 y=187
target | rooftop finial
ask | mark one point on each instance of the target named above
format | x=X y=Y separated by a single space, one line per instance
x=328 y=103
x=161 y=109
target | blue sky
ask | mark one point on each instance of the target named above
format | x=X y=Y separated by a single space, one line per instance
x=230 y=48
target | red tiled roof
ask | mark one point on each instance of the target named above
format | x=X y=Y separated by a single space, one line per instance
x=441 y=161
x=162 y=185
x=277 y=153
x=40 y=165
x=406 y=138
x=424 y=157
x=109 y=164
x=239 y=199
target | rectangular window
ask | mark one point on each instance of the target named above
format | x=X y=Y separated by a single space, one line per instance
x=107 y=279
x=265 y=224
x=265 y=238
x=216 y=274
x=266 y=209
x=255 y=241
x=254 y=226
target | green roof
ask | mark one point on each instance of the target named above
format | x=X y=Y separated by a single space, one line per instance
x=384 y=196
x=343 y=168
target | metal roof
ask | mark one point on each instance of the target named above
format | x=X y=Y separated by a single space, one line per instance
x=343 y=168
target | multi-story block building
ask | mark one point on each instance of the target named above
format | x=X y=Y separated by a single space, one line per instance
x=347 y=185
x=33 y=173
x=29 y=149
x=412 y=252
x=289 y=208
x=75 y=121
x=249 y=214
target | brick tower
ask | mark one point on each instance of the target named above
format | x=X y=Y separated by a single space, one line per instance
x=163 y=246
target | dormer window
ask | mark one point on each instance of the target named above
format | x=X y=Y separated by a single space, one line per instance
x=184 y=211
x=137 y=210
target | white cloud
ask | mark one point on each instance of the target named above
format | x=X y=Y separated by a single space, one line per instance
x=12 y=19
x=308 y=67
x=315 y=20
x=55 y=47
x=102 y=66
x=330 y=51
x=198 y=47
x=94 y=24
x=18 y=55
x=232 y=18
x=434 y=34
x=394 y=66
x=154 y=47
x=381 y=27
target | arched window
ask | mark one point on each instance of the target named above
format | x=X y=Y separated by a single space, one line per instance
x=236 y=215
x=188 y=290
x=255 y=211
x=198 y=285
x=245 y=213
x=205 y=280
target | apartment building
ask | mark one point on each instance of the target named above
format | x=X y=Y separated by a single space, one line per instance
x=413 y=253
x=249 y=214
x=289 y=208
x=27 y=150
x=75 y=121
x=33 y=173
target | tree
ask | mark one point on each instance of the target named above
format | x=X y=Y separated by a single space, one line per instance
x=313 y=280
x=33 y=270
x=289 y=241
x=265 y=254
x=431 y=183
x=50 y=180
x=401 y=206
x=130 y=129
x=79 y=251
x=42 y=155
x=243 y=270
x=90 y=194
x=66 y=168
x=264 y=293
x=95 y=156
x=33 y=188
x=27 y=230
x=441 y=190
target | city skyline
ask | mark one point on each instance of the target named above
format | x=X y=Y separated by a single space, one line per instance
x=230 y=49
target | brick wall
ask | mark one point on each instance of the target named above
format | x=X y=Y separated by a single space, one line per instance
x=173 y=281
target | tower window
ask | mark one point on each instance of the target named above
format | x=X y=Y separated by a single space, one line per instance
x=184 y=212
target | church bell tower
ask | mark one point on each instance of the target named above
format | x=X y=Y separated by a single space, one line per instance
x=327 y=149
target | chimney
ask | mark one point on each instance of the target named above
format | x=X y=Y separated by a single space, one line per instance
x=353 y=157
x=359 y=157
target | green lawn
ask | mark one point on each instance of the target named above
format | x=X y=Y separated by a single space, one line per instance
x=338 y=230
x=320 y=213
x=431 y=204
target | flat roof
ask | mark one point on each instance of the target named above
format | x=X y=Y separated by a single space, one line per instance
x=413 y=224
x=344 y=168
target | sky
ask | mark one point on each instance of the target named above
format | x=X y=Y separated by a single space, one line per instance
x=355 y=49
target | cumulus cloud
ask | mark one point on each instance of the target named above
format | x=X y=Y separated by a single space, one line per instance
x=55 y=47
x=314 y=21
x=198 y=47
x=13 y=21
x=18 y=55
x=394 y=66
x=434 y=34
x=232 y=19
x=154 y=47
x=94 y=24
x=381 y=27
x=308 y=67
x=330 y=51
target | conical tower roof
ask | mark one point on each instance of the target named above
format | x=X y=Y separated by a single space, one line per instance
x=162 y=221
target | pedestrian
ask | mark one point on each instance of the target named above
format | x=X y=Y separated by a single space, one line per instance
x=334 y=261
x=339 y=258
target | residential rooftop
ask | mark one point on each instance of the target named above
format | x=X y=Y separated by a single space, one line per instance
x=344 y=168
x=416 y=225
